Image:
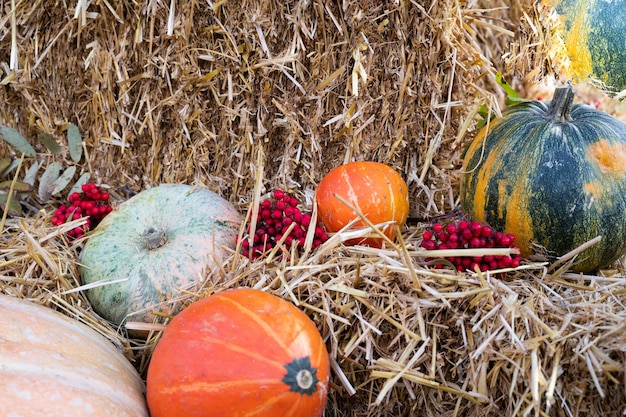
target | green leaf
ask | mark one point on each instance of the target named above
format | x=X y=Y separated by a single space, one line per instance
x=75 y=142
x=62 y=182
x=18 y=186
x=512 y=97
x=510 y=91
x=14 y=209
x=50 y=142
x=31 y=174
x=17 y=141
x=50 y=175
x=77 y=187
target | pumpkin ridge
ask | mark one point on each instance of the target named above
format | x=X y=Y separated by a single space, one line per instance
x=262 y=408
x=262 y=324
x=71 y=380
x=243 y=350
x=218 y=386
x=352 y=196
x=294 y=407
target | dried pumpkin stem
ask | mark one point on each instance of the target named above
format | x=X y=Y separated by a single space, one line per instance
x=154 y=237
x=561 y=104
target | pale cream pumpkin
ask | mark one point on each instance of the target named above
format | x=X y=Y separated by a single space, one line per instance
x=54 y=366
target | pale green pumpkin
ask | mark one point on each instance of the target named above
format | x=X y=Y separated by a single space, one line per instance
x=155 y=246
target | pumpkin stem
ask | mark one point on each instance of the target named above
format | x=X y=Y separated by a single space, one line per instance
x=154 y=237
x=301 y=377
x=561 y=104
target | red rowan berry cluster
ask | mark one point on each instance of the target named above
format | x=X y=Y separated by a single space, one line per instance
x=276 y=216
x=91 y=203
x=463 y=235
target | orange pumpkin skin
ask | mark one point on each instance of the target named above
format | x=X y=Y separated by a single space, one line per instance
x=232 y=354
x=376 y=190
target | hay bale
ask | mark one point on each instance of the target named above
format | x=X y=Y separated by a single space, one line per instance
x=245 y=97
x=192 y=93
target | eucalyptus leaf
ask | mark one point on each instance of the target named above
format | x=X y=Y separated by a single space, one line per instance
x=50 y=142
x=31 y=174
x=78 y=186
x=13 y=165
x=50 y=175
x=4 y=164
x=15 y=208
x=75 y=142
x=18 y=186
x=62 y=182
x=17 y=141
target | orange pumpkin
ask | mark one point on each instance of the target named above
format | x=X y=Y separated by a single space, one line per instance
x=239 y=352
x=376 y=190
x=53 y=366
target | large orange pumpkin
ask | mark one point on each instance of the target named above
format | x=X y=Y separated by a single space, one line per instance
x=53 y=366
x=376 y=190
x=239 y=352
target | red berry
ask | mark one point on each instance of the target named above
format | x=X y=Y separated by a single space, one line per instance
x=429 y=245
x=476 y=228
x=505 y=240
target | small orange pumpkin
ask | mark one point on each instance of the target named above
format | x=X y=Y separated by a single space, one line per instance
x=376 y=190
x=239 y=352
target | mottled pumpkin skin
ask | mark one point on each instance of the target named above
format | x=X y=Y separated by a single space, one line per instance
x=53 y=366
x=373 y=188
x=229 y=355
x=593 y=33
x=551 y=182
x=198 y=225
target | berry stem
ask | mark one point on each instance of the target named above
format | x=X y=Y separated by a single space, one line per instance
x=154 y=237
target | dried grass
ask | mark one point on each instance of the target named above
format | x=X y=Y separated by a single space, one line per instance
x=245 y=97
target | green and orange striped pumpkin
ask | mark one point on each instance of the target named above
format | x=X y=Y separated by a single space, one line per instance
x=554 y=174
x=589 y=40
x=239 y=352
